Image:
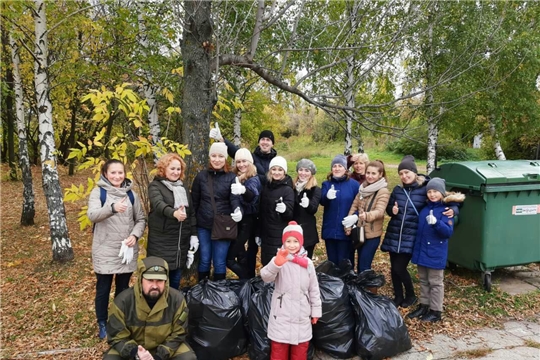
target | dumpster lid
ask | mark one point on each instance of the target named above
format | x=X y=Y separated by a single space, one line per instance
x=473 y=174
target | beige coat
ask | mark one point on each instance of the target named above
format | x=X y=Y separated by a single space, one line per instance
x=110 y=229
x=373 y=226
x=296 y=299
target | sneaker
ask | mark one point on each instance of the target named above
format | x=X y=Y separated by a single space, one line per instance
x=419 y=311
x=409 y=300
x=431 y=316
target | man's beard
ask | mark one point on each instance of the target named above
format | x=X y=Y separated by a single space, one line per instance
x=153 y=295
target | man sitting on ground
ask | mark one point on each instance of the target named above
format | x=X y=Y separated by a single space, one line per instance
x=149 y=320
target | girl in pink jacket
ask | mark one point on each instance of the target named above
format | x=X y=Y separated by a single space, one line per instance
x=296 y=302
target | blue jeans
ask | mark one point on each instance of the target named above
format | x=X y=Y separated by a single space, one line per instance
x=212 y=251
x=338 y=250
x=174 y=278
x=366 y=253
x=103 y=290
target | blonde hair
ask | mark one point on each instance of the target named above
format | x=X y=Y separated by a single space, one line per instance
x=251 y=172
x=363 y=157
x=166 y=160
x=311 y=183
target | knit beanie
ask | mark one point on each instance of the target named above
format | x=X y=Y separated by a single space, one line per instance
x=266 y=134
x=306 y=164
x=218 y=148
x=243 y=154
x=437 y=184
x=279 y=161
x=294 y=230
x=339 y=159
x=407 y=163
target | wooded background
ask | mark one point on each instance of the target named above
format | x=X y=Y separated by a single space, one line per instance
x=88 y=80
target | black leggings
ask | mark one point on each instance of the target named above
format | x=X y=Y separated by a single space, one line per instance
x=236 y=256
x=400 y=275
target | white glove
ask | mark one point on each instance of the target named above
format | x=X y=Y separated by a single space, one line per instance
x=193 y=243
x=237 y=188
x=237 y=215
x=215 y=133
x=280 y=206
x=331 y=194
x=126 y=253
x=305 y=201
x=190 y=258
x=431 y=220
x=349 y=221
x=258 y=240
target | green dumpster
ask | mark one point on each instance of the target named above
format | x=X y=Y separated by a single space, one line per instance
x=499 y=222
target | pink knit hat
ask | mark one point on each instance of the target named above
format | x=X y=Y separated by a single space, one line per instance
x=294 y=230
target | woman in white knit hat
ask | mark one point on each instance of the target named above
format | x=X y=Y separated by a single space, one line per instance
x=276 y=208
x=248 y=186
x=214 y=182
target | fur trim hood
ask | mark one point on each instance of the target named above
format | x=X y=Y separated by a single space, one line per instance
x=453 y=197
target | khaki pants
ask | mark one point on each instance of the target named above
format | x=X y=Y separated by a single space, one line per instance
x=431 y=287
x=184 y=352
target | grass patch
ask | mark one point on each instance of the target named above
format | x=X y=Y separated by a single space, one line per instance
x=472 y=354
x=532 y=343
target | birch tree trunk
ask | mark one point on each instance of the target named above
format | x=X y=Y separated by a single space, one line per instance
x=10 y=116
x=150 y=90
x=198 y=98
x=61 y=244
x=433 y=130
x=236 y=127
x=28 y=210
x=349 y=96
x=499 y=153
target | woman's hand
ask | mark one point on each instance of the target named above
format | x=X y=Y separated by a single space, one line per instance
x=362 y=215
x=131 y=240
x=395 y=209
x=180 y=214
x=121 y=206
x=314 y=320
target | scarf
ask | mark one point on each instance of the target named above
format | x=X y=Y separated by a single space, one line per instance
x=369 y=189
x=300 y=258
x=179 y=193
x=300 y=186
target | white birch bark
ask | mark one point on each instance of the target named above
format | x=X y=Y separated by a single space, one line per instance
x=349 y=96
x=237 y=129
x=433 y=136
x=28 y=209
x=61 y=244
x=150 y=90
x=499 y=153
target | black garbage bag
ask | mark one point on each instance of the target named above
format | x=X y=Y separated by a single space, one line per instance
x=215 y=323
x=258 y=313
x=370 y=279
x=380 y=331
x=250 y=287
x=343 y=271
x=334 y=332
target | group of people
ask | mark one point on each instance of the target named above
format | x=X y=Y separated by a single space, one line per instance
x=275 y=213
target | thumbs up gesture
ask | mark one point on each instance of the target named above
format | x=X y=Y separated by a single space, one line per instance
x=305 y=201
x=215 y=133
x=395 y=208
x=280 y=206
x=331 y=194
x=237 y=188
x=237 y=215
x=430 y=219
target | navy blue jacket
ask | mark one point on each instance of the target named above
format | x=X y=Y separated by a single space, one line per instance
x=250 y=199
x=225 y=201
x=431 y=245
x=335 y=210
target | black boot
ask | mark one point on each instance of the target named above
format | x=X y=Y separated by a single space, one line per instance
x=203 y=275
x=397 y=301
x=431 y=316
x=419 y=311
x=218 y=277
x=409 y=300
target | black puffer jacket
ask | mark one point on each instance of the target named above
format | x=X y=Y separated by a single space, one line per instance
x=226 y=202
x=168 y=238
x=272 y=223
x=305 y=217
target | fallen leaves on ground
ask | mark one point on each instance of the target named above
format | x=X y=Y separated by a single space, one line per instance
x=48 y=308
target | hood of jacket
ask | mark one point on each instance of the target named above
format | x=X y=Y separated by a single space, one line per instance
x=119 y=191
x=453 y=197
